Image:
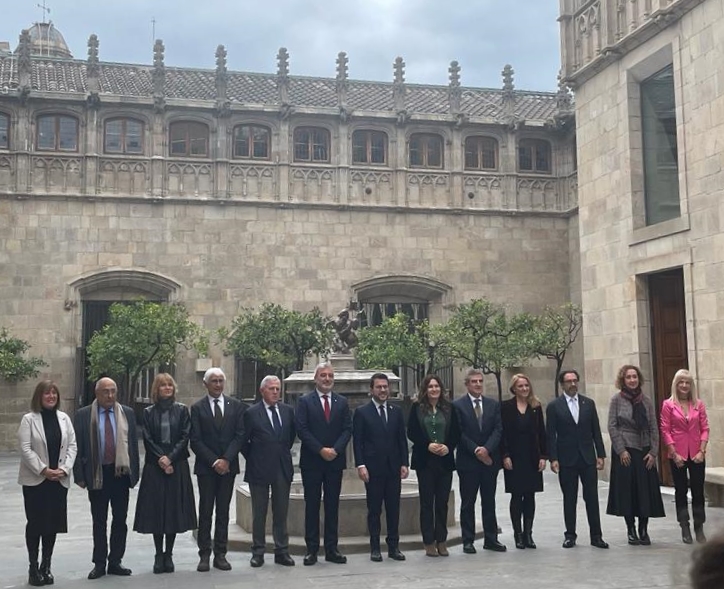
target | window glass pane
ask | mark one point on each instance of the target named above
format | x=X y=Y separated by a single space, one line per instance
x=488 y=149
x=542 y=157
x=134 y=136
x=359 y=147
x=434 y=152
x=415 y=151
x=68 y=133
x=4 y=131
x=261 y=142
x=46 y=133
x=178 y=138
x=320 y=153
x=241 y=141
x=198 y=140
x=198 y=145
x=525 y=157
x=301 y=145
x=114 y=130
x=378 y=148
x=471 y=154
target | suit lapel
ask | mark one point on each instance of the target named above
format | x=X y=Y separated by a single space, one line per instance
x=38 y=425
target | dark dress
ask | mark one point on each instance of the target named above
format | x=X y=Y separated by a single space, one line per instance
x=524 y=442
x=166 y=503
x=46 y=504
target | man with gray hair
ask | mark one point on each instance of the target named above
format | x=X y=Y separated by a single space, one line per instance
x=269 y=433
x=216 y=436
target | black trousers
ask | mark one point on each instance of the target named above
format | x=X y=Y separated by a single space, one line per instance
x=483 y=480
x=689 y=476
x=384 y=488
x=280 y=507
x=568 y=478
x=315 y=482
x=434 y=483
x=115 y=493
x=215 y=491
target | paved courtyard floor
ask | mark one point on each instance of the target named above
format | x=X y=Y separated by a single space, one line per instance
x=663 y=565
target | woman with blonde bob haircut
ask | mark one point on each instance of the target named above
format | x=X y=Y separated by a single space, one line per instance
x=523 y=446
x=685 y=432
x=166 y=504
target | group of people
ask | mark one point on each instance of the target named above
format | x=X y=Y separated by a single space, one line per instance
x=474 y=435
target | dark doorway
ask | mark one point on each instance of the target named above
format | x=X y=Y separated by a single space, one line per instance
x=668 y=337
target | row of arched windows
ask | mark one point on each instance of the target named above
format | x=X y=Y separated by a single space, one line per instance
x=311 y=144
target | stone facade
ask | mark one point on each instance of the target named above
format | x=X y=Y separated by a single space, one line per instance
x=608 y=48
x=218 y=232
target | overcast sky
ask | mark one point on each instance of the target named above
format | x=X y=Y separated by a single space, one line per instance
x=483 y=35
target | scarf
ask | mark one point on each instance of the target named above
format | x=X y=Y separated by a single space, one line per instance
x=636 y=398
x=164 y=406
x=123 y=461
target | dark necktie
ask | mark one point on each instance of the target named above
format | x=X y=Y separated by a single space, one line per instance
x=276 y=422
x=218 y=415
x=383 y=415
x=478 y=410
x=327 y=408
x=109 y=442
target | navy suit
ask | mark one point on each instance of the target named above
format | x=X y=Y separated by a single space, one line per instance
x=210 y=442
x=476 y=477
x=315 y=433
x=268 y=466
x=382 y=448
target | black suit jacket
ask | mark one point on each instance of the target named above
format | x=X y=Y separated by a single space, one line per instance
x=568 y=440
x=509 y=415
x=473 y=434
x=83 y=467
x=420 y=440
x=210 y=442
x=316 y=433
x=267 y=453
x=379 y=447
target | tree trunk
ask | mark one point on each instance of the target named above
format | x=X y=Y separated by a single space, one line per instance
x=500 y=386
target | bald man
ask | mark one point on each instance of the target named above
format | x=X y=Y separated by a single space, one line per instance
x=107 y=466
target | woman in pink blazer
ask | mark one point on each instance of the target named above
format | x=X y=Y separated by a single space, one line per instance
x=685 y=432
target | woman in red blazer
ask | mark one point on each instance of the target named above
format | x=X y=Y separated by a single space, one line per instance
x=685 y=432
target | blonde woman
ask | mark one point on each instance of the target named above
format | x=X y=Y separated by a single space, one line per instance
x=685 y=432
x=523 y=446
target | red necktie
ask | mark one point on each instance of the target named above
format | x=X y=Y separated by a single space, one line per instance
x=109 y=446
x=327 y=408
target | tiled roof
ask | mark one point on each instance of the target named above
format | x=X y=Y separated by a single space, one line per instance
x=69 y=75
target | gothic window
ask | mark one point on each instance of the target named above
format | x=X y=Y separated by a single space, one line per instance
x=311 y=144
x=481 y=153
x=660 y=148
x=425 y=151
x=249 y=375
x=369 y=147
x=252 y=142
x=189 y=139
x=57 y=133
x=534 y=155
x=123 y=136
x=4 y=131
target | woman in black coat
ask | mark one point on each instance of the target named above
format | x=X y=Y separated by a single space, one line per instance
x=434 y=431
x=523 y=446
x=166 y=504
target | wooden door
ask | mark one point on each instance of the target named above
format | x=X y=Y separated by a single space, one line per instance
x=668 y=337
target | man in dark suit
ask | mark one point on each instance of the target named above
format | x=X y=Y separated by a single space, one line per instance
x=216 y=435
x=478 y=461
x=324 y=425
x=380 y=454
x=575 y=448
x=268 y=437
x=107 y=466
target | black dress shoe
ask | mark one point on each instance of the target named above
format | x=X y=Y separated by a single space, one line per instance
x=494 y=545
x=284 y=560
x=118 y=570
x=310 y=558
x=256 y=560
x=469 y=548
x=375 y=555
x=221 y=563
x=168 y=566
x=569 y=543
x=97 y=572
x=336 y=557
x=395 y=554
x=204 y=566
x=599 y=543
x=158 y=564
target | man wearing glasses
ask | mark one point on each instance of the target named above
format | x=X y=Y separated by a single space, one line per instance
x=576 y=452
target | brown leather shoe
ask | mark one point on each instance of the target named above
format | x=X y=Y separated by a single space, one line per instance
x=430 y=550
x=442 y=549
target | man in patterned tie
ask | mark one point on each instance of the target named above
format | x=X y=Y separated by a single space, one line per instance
x=107 y=466
x=216 y=436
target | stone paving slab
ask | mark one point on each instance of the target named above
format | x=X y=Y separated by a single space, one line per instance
x=663 y=565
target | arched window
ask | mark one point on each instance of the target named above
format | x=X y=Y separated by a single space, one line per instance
x=534 y=155
x=4 y=131
x=252 y=142
x=481 y=153
x=123 y=136
x=189 y=139
x=369 y=147
x=425 y=151
x=57 y=133
x=311 y=144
